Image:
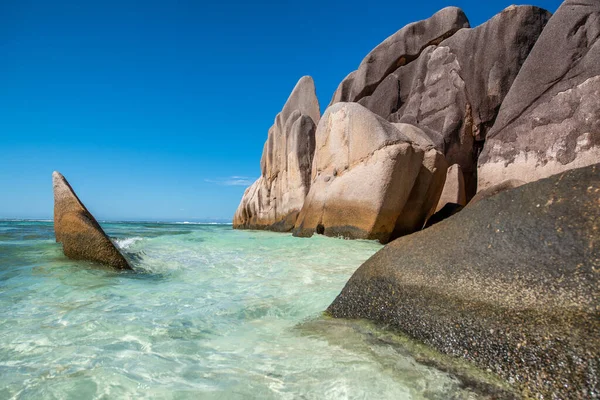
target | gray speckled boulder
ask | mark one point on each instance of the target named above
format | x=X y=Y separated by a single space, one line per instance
x=275 y=199
x=550 y=120
x=510 y=283
x=78 y=231
x=495 y=189
x=399 y=49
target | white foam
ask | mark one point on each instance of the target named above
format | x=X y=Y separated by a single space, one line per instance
x=126 y=242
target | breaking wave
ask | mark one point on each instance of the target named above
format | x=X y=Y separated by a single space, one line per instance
x=126 y=242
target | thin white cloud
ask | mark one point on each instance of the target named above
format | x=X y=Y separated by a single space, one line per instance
x=232 y=181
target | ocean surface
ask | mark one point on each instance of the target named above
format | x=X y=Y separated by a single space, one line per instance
x=209 y=313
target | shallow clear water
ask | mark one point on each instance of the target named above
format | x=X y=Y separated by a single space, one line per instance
x=210 y=313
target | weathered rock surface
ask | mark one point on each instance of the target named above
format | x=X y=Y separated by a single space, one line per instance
x=399 y=49
x=424 y=195
x=495 y=189
x=275 y=199
x=454 y=188
x=453 y=88
x=453 y=91
x=365 y=172
x=510 y=283
x=78 y=231
x=550 y=120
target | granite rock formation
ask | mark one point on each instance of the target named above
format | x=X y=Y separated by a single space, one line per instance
x=437 y=74
x=453 y=88
x=549 y=121
x=453 y=91
x=275 y=199
x=399 y=49
x=511 y=286
x=81 y=236
x=370 y=178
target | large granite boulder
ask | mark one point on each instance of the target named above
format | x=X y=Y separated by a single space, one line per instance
x=78 y=231
x=365 y=172
x=453 y=91
x=550 y=120
x=510 y=283
x=275 y=199
x=399 y=49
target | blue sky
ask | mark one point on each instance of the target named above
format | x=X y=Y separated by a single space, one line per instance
x=159 y=110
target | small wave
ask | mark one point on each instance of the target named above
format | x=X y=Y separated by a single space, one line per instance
x=126 y=242
x=203 y=223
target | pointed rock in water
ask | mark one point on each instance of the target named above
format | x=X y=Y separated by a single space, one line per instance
x=78 y=231
x=510 y=283
x=275 y=199
x=364 y=173
x=549 y=121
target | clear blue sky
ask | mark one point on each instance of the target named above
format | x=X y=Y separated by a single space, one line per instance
x=159 y=110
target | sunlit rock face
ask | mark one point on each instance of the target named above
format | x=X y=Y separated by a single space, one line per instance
x=78 y=231
x=549 y=121
x=371 y=179
x=275 y=199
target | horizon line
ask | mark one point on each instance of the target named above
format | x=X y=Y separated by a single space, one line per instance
x=222 y=221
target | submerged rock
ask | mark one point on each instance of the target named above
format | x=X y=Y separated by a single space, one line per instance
x=550 y=119
x=78 y=231
x=510 y=283
x=275 y=199
x=370 y=178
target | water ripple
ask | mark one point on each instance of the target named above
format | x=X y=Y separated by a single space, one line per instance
x=210 y=312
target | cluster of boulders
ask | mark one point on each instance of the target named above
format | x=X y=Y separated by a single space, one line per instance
x=499 y=124
x=435 y=113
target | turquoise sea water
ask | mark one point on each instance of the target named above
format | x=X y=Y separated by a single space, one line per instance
x=210 y=313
